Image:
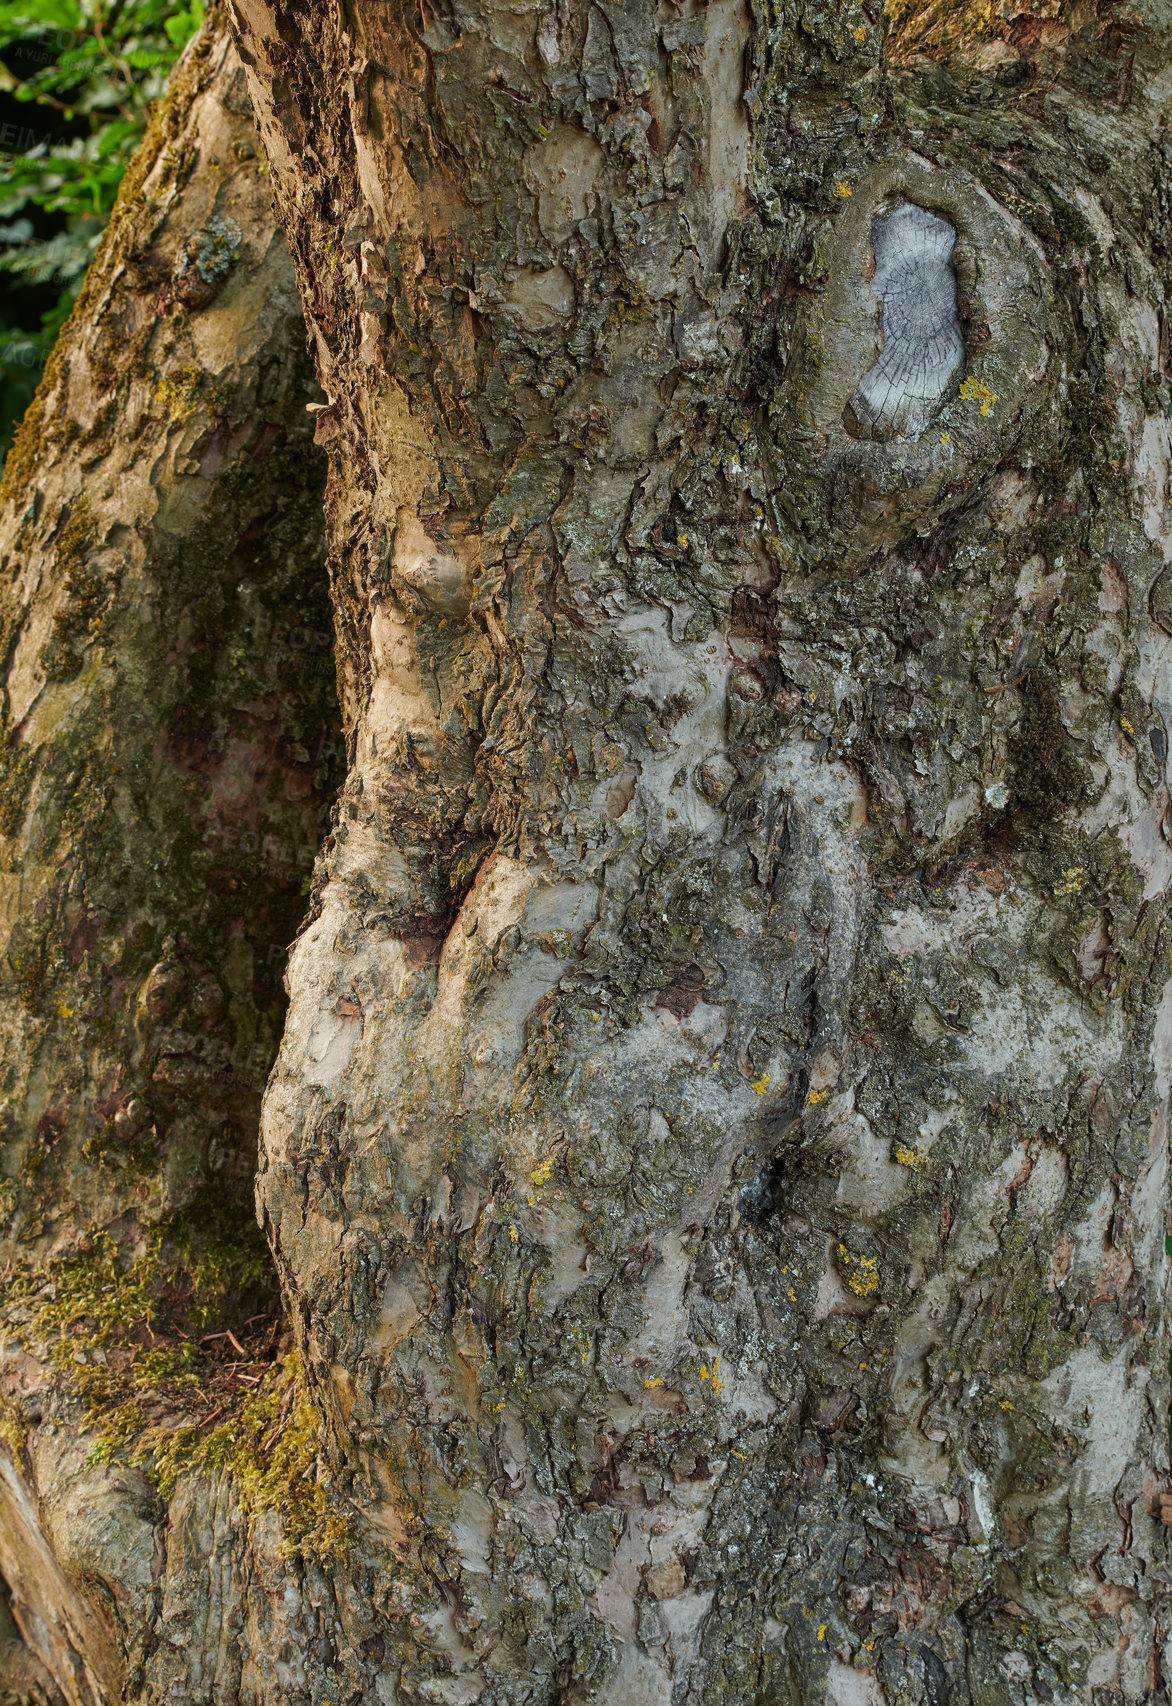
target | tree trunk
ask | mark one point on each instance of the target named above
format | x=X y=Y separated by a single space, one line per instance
x=716 y=1158
x=171 y=730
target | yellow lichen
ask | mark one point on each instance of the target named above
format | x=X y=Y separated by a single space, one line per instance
x=1071 y=881
x=842 y=189
x=865 y=1278
x=976 y=391
x=761 y=1084
x=910 y=1157
x=181 y=392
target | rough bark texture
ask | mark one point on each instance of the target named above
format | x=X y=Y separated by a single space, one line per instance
x=170 y=725
x=716 y=1157
x=716 y=1160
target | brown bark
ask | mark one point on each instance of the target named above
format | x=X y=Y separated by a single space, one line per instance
x=170 y=743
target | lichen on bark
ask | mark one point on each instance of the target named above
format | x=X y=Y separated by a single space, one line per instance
x=715 y=1163
x=815 y=949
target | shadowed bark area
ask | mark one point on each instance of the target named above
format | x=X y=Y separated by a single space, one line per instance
x=171 y=744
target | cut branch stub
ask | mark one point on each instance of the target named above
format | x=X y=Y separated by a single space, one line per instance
x=933 y=313
x=915 y=287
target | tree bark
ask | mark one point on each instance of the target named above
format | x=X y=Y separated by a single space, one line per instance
x=716 y=1156
x=171 y=743
x=716 y=1161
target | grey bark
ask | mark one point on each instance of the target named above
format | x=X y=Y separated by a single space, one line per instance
x=716 y=1156
x=716 y=1162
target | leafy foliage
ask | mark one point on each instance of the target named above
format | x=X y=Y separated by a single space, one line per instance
x=77 y=78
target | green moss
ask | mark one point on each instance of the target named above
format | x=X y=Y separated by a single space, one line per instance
x=189 y=1275
x=16 y=774
x=88 y=595
x=27 y=960
x=272 y=1448
x=129 y=1337
x=181 y=392
x=12 y=1431
x=1091 y=448
x=271 y=1444
x=108 y=1148
x=1047 y=776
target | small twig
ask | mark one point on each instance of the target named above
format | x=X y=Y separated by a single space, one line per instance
x=1014 y=681
x=226 y=1334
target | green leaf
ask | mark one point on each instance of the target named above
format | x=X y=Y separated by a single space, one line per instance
x=102 y=87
